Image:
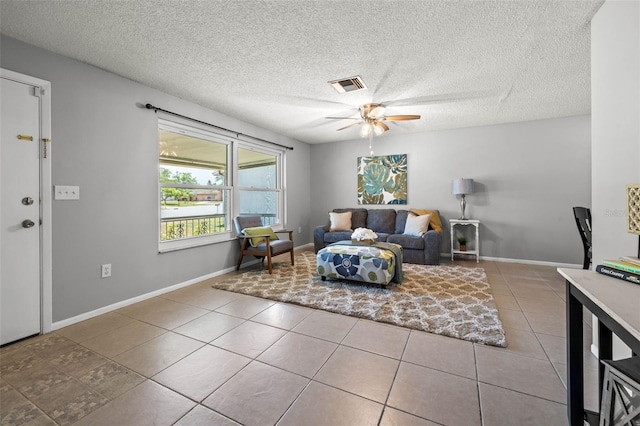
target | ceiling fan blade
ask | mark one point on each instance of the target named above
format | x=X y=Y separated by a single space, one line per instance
x=381 y=125
x=350 y=125
x=342 y=118
x=400 y=117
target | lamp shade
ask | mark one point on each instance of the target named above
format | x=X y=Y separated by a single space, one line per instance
x=462 y=186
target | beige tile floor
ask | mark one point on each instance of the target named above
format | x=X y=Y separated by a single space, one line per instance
x=204 y=356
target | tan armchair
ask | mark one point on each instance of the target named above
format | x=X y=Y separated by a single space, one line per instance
x=267 y=248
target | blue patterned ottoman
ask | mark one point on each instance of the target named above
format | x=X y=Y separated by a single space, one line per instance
x=375 y=264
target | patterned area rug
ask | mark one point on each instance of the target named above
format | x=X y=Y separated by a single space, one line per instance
x=450 y=300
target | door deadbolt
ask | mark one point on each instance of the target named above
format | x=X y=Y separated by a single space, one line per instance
x=27 y=201
x=27 y=223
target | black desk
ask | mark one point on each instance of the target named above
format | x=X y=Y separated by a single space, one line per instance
x=616 y=304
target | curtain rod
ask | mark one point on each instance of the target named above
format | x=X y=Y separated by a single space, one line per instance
x=238 y=134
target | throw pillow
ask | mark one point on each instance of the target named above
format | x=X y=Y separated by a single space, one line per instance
x=417 y=225
x=340 y=221
x=259 y=230
x=435 y=223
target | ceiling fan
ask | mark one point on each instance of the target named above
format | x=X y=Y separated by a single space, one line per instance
x=372 y=119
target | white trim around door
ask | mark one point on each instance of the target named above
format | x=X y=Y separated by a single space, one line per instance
x=46 y=267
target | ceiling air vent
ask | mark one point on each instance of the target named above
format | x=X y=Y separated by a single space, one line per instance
x=350 y=84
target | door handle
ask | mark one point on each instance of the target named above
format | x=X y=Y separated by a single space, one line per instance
x=27 y=223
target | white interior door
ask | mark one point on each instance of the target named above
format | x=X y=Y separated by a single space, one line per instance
x=20 y=212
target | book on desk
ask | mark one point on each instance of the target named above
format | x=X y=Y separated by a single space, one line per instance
x=626 y=269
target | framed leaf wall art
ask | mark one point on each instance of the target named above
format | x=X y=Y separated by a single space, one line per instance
x=382 y=179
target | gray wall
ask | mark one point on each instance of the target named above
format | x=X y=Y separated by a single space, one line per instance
x=528 y=176
x=107 y=145
x=615 y=99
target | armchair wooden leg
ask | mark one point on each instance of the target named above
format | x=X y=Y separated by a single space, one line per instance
x=269 y=262
x=239 y=260
x=291 y=238
x=243 y=245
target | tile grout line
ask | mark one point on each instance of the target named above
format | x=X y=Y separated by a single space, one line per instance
x=475 y=363
x=395 y=375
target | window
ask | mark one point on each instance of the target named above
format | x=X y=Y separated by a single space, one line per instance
x=257 y=184
x=206 y=179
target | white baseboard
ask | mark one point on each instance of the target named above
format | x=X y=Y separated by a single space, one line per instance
x=523 y=261
x=534 y=262
x=87 y=315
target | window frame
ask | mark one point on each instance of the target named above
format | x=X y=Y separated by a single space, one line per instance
x=279 y=187
x=232 y=205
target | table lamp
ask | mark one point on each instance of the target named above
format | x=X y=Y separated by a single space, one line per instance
x=633 y=211
x=462 y=187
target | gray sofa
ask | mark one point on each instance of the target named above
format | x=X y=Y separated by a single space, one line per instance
x=389 y=225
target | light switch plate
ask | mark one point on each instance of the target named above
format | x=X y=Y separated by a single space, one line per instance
x=64 y=192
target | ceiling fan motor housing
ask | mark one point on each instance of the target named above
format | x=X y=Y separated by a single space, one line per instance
x=371 y=111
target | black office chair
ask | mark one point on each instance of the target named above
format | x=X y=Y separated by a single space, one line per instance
x=583 y=220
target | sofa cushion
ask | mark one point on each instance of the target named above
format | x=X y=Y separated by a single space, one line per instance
x=408 y=242
x=333 y=237
x=358 y=217
x=417 y=225
x=401 y=221
x=340 y=221
x=382 y=237
x=382 y=220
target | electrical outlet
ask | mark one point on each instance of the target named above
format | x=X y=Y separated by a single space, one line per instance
x=106 y=270
x=299 y=229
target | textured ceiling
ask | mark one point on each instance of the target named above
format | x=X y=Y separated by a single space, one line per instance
x=456 y=63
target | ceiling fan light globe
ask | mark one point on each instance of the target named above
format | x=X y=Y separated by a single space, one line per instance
x=365 y=130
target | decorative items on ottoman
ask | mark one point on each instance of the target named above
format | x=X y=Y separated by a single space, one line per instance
x=363 y=236
x=378 y=263
x=402 y=227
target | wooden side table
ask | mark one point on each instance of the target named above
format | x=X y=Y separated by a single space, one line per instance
x=476 y=246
